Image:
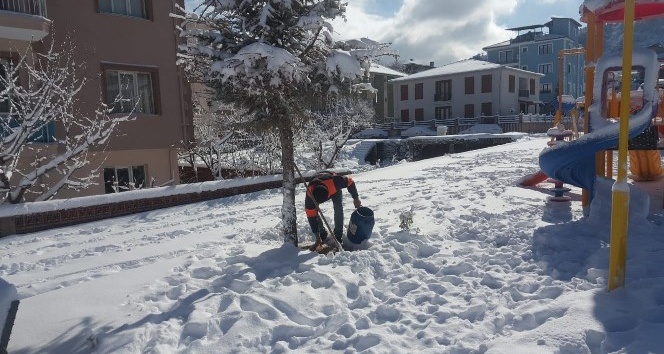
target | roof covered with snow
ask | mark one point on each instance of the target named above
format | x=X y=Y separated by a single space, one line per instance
x=462 y=66
x=380 y=69
x=497 y=45
x=543 y=37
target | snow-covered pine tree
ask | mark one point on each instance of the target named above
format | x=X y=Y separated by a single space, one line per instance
x=273 y=58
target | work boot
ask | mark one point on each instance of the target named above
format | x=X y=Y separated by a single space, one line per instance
x=330 y=242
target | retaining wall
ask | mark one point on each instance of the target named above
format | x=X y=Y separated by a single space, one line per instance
x=32 y=217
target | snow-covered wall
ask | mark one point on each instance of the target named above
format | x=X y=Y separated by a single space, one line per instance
x=30 y=217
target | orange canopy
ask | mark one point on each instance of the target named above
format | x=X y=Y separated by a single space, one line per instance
x=613 y=10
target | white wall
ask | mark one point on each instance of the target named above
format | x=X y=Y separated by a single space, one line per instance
x=502 y=100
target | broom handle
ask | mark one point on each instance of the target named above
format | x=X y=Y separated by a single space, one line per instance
x=320 y=212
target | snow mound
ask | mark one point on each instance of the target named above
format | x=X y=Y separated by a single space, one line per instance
x=371 y=133
x=417 y=131
x=483 y=128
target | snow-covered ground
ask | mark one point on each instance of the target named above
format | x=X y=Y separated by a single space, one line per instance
x=486 y=267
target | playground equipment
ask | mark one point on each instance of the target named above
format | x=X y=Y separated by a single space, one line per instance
x=580 y=161
x=645 y=165
x=559 y=113
x=559 y=134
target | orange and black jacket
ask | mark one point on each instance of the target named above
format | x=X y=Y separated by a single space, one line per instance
x=334 y=183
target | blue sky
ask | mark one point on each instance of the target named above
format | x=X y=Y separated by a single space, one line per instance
x=444 y=31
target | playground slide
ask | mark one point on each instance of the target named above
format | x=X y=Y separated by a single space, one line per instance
x=574 y=162
x=532 y=179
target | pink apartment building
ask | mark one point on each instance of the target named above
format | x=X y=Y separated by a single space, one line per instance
x=127 y=45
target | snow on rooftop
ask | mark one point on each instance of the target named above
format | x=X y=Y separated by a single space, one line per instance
x=500 y=44
x=380 y=69
x=462 y=66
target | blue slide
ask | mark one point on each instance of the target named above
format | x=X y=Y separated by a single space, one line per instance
x=574 y=162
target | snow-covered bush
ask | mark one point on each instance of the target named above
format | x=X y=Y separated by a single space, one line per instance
x=406 y=219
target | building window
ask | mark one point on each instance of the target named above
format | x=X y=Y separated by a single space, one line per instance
x=404 y=92
x=44 y=135
x=405 y=115
x=469 y=111
x=419 y=91
x=545 y=88
x=122 y=179
x=419 y=113
x=545 y=68
x=443 y=90
x=532 y=86
x=512 y=83
x=505 y=57
x=470 y=85
x=545 y=49
x=443 y=112
x=133 y=8
x=486 y=109
x=487 y=82
x=524 y=50
x=134 y=90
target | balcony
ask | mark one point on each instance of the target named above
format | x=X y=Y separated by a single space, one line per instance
x=524 y=93
x=30 y=7
x=509 y=60
x=23 y=20
x=442 y=96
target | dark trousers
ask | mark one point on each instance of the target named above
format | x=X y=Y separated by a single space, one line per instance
x=337 y=202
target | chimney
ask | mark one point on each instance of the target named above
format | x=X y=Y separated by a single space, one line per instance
x=431 y=64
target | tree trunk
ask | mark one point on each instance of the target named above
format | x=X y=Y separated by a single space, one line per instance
x=288 y=212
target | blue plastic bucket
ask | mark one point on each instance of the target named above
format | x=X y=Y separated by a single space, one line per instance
x=360 y=226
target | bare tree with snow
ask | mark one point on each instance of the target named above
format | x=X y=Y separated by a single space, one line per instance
x=330 y=128
x=274 y=58
x=38 y=91
x=224 y=147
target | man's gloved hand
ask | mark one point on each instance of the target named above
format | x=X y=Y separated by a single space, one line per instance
x=357 y=203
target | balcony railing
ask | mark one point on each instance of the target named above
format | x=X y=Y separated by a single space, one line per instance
x=31 y=7
x=442 y=96
x=509 y=60
x=524 y=93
